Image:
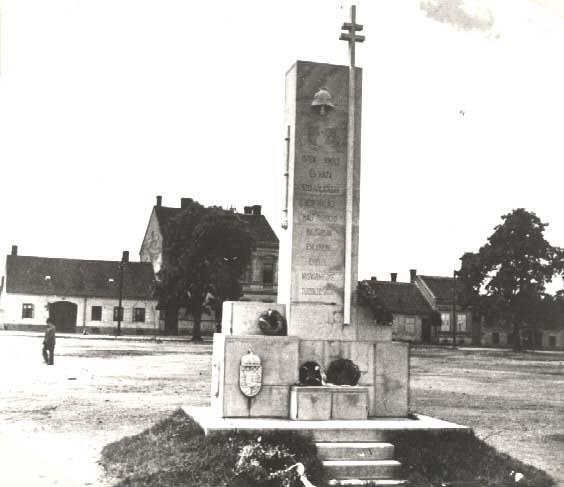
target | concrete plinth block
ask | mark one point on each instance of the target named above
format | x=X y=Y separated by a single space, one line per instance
x=271 y=401
x=362 y=469
x=310 y=403
x=355 y=451
x=312 y=321
x=328 y=402
x=279 y=357
x=349 y=403
x=391 y=380
x=241 y=317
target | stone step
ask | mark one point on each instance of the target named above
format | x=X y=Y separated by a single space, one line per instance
x=362 y=469
x=355 y=451
x=371 y=482
x=349 y=435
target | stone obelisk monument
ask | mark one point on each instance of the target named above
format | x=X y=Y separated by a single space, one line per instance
x=318 y=273
x=319 y=246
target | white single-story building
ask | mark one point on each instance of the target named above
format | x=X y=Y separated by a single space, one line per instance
x=78 y=295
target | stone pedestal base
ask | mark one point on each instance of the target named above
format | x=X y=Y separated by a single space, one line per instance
x=328 y=402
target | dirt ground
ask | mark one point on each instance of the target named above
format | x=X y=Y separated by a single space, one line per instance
x=54 y=420
x=513 y=401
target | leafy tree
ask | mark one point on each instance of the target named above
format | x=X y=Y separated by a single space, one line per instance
x=368 y=297
x=206 y=252
x=506 y=278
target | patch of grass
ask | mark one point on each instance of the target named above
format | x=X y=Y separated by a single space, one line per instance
x=459 y=457
x=175 y=452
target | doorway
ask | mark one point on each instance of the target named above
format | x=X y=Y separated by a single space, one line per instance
x=63 y=315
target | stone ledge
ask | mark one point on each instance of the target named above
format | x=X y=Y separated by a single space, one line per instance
x=372 y=429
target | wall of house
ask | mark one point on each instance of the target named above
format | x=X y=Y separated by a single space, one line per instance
x=463 y=337
x=407 y=328
x=12 y=305
x=502 y=337
x=254 y=287
x=152 y=246
x=553 y=339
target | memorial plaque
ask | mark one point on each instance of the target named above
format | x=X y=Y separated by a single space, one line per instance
x=313 y=247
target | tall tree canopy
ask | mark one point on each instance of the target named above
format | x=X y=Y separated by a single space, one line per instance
x=506 y=279
x=206 y=252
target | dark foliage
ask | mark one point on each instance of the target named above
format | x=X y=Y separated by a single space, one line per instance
x=343 y=372
x=176 y=453
x=207 y=250
x=435 y=459
x=505 y=280
x=367 y=297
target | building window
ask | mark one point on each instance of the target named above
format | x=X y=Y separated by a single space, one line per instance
x=461 y=322
x=510 y=338
x=495 y=338
x=96 y=313
x=410 y=324
x=118 y=313
x=27 y=310
x=268 y=274
x=445 y=321
x=552 y=341
x=139 y=315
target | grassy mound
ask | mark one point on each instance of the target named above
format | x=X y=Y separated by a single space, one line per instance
x=176 y=453
x=456 y=458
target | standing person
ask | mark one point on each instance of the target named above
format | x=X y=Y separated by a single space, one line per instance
x=49 y=343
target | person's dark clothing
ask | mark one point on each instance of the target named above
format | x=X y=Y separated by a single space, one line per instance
x=49 y=345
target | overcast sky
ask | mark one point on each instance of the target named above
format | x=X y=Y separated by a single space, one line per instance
x=106 y=103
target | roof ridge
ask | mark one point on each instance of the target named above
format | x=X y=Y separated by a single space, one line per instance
x=435 y=277
x=389 y=282
x=70 y=259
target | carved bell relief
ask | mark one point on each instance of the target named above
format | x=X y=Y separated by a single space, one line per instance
x=322 y=101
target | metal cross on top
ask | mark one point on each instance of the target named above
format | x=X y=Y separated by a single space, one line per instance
x=352 y=38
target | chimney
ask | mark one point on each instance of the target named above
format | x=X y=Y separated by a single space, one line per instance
x=373 y=278
x=257 y=209
x=159 y=200
x=14 y=250
x=125 y=256
x=412 y=275
x=185 y=202
x=394 y=276
x=248 y=210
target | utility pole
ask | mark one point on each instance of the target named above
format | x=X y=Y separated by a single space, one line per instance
x=122 y=264
x=454 y=323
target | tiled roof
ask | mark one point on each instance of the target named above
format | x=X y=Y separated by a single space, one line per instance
x=400 y=297
x=258 y=224
x=74 y=277
x=442 y=288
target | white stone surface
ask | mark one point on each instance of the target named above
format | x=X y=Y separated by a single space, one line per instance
x=241 y=317
x=312 y=249
x=372 y=429
x=310 y=403
x=279 y=357
x=328 y=402
x=391 y=372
